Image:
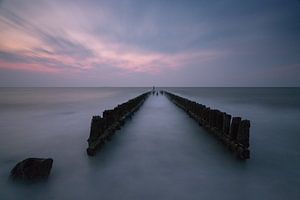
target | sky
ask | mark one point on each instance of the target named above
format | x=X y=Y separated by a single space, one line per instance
x=143 y=43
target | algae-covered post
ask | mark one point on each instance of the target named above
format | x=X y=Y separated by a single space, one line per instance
x=233 y=133
x=103 y=128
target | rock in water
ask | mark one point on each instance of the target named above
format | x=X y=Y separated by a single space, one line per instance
x=32 y=169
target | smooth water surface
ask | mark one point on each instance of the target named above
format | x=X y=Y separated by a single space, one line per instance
x=160 y=154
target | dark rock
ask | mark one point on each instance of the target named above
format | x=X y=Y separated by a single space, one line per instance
x=32 y=169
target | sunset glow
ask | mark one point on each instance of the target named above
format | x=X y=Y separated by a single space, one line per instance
x=66 y=37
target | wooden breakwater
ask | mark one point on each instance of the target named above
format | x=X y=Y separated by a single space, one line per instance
x=103 y=128
x=232 y=131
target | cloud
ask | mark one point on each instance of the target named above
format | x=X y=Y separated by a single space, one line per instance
x=67 y=49
x=147 y=38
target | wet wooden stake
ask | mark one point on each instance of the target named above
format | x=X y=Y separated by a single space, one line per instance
x=103 y=128
x=233 y=133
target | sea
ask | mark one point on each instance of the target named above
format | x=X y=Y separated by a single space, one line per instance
x=161 y=153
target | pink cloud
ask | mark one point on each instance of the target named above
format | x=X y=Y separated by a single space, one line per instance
x=74 y=49
x=28 y=67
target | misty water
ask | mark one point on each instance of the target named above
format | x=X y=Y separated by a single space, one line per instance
x=160 y=154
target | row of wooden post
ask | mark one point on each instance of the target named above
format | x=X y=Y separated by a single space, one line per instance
x=232 y=131
x=103 y=128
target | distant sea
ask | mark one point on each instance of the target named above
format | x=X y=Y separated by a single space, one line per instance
x=160 y=154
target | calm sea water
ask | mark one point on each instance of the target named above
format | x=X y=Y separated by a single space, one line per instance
x=160 y=154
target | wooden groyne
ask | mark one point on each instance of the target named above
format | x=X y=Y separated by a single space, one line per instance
x=103 y=128
x=232 y=131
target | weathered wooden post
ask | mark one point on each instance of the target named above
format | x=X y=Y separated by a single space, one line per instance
x=226 y=125
x=235 y=124
x=103 y=128
x=235 y=133
x=243 y=133
x=219 y=128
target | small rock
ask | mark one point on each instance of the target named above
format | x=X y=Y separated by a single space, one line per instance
x=32 y=169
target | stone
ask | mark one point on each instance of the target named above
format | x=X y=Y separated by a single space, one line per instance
x=32 y=169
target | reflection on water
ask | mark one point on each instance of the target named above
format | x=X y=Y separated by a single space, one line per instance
x=160 y=154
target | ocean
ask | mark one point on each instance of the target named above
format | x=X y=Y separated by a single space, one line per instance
x=160 y=153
